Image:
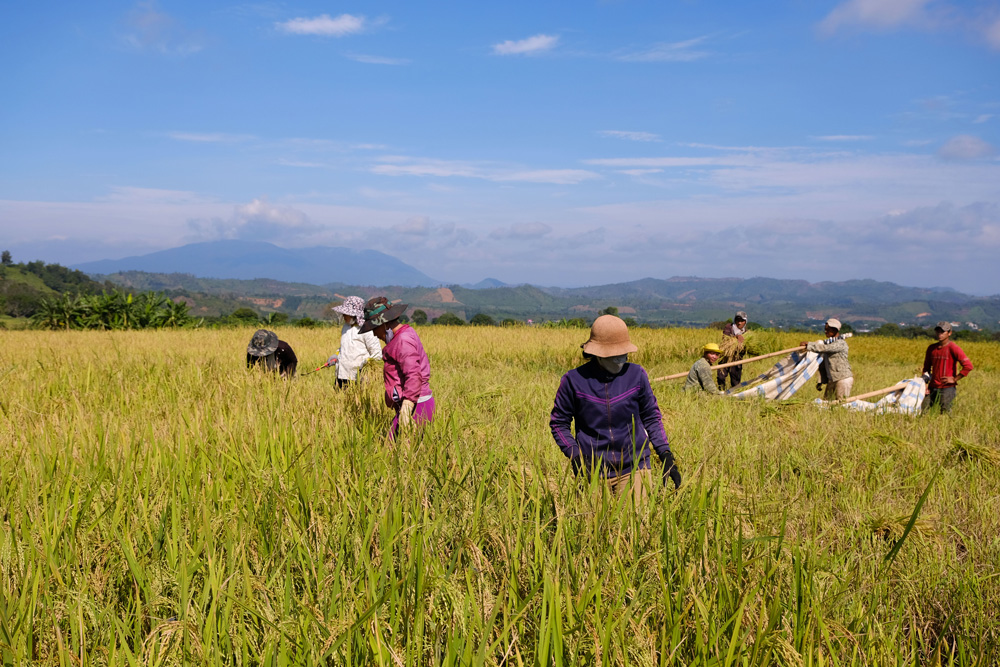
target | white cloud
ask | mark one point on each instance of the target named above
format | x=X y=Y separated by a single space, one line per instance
x=528 y=46
x=640 y=172
x=668 y=52
x=415 y=226
x=377 y=60
x=325 y=25
x=522 y=231
x=992 y=34
x=845 y=137
x=209 y=137
x=878 y=14
x=149 y=29
x=966 y=147
x=630 y=136
x=298 y=163
x=983 y=118
x=132 y=195
x=395 y=165
x=258 y=220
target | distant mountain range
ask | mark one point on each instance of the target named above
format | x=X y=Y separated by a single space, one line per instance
x=218 y=276
x=246 y=260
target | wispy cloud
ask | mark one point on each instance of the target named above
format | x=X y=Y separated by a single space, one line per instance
x=149 y=29
x=134 y=195
x=326 y=25
x=845 y=137
x=521 y=231
x=982 y=118
x=662 y=52
x=405 y=166
x=209 y=137
x=630 y=136
x=931 y=15
x=377 y=60
x=529 y=46
x=966 y=147
x=299 y=163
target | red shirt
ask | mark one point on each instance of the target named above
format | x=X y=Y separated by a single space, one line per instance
x=940 y=362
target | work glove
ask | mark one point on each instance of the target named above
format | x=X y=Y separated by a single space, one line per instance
x=406 y=413
x=331 y=361
x=671 y=472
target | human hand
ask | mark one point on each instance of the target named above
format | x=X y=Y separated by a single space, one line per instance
x=803 y=344
x=406 y=413
x=948 y=379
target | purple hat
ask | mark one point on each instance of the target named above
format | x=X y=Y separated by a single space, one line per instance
x=353 y=306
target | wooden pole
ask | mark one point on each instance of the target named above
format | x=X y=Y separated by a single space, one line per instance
x=677 y=376
x=872 y=394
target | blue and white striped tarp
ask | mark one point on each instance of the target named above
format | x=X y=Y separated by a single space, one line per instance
x=907 y=400
x=783 y=379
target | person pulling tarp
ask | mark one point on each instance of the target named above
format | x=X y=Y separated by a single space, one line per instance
x=782 y=380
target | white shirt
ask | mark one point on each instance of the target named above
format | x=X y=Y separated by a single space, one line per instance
x=355 y=349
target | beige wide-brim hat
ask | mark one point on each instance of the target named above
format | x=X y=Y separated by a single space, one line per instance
x=608 y=338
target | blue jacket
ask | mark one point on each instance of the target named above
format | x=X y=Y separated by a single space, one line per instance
x=617 y=419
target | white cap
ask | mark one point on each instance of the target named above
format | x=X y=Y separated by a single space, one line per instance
x=833 y=323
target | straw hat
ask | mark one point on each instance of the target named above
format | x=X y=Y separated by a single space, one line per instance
x=608 y=338
x=263 y=343
x=712 y=347
x=353 y=306
x=380 y=310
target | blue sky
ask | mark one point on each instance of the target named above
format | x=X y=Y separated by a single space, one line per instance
x=553 y=143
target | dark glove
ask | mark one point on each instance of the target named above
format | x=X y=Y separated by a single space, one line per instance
x=671 y=472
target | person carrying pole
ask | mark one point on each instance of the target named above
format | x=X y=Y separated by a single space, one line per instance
x=356 y=348
x=939 y=365
x=699 y=378
x=407 y=370
x=732 y=341
x=837 y=369
x=615 y=413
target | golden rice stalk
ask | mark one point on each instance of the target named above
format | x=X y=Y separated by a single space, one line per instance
x=974 y=451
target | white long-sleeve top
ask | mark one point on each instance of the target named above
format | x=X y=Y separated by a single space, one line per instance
x=355 y=349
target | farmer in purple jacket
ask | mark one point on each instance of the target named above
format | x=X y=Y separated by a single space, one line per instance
x=407 y=371
x=617 y=418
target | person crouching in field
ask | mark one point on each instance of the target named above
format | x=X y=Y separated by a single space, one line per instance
x=615 y=412
x=837 y=369
x=271 y=354
x=407 y=370
x=700 y=376
x=356 y=348
x=939 y=364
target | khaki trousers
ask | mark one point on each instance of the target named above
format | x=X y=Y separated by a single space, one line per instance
x=636 y=483
x=839 y=389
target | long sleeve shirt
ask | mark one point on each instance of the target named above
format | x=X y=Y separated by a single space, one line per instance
x=701 y=378
x=940 y=362
x=834 y=351
x=407 y=370
x=616 y=417
x=282 y=360
x=355 y=349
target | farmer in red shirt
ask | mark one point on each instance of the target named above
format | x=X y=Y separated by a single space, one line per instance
x=939 y=362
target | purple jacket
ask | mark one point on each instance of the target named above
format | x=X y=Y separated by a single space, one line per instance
x=407 y=371
x=616 y=416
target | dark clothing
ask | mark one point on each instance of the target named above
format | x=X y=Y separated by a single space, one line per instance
x=940 y=360
x=734 y=373
x=617 y=419
x=282 y=360
x=944 y=396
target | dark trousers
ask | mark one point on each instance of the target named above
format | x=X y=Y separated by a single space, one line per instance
x=735 y=374
x=944 y=396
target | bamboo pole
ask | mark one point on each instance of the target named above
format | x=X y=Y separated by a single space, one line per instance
x=872 y=394
x=677 y=376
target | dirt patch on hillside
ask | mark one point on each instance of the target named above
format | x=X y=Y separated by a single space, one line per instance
x=444 y=295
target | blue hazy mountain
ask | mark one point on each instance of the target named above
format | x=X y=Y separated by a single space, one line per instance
x=246 y=260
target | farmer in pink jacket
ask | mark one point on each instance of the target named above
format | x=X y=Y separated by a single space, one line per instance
x=407 y=371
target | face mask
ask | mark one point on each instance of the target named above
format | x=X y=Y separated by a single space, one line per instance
x=613 y=365
x=388 y=335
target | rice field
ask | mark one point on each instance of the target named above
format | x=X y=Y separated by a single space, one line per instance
x=161 y=505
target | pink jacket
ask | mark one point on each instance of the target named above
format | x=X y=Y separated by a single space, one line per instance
x=407 y=370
